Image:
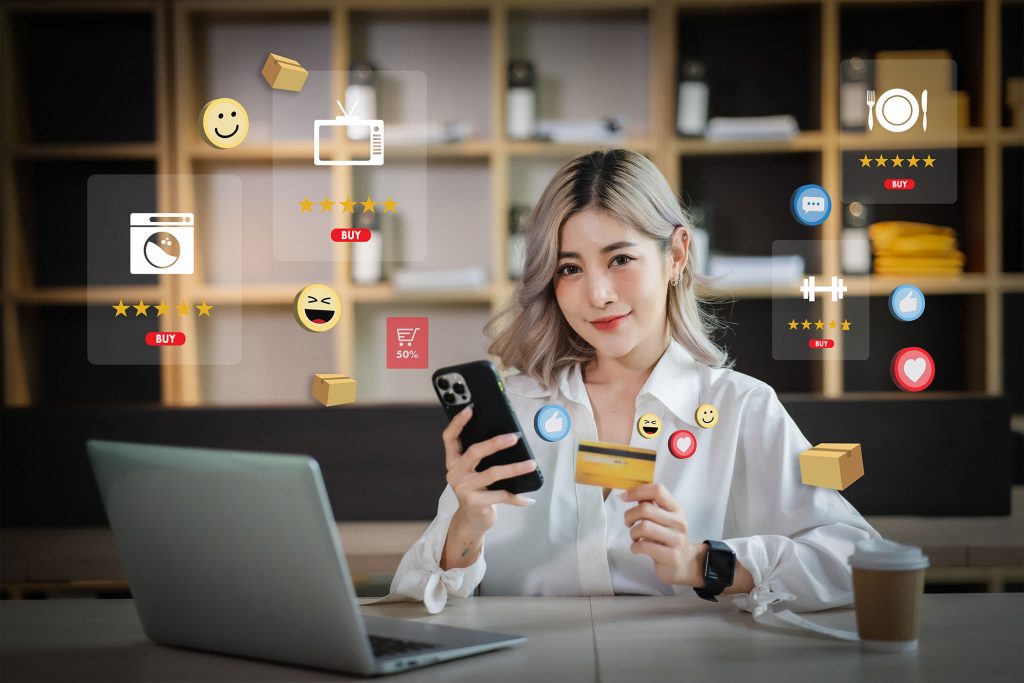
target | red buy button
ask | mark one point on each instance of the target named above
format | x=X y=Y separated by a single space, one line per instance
x=165 y=338
x=821 y=343
x=899 y=183
x=350 y=235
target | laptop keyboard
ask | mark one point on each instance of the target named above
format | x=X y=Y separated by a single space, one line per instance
x=389 y=647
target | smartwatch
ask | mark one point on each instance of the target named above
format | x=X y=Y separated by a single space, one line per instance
x=719 y=569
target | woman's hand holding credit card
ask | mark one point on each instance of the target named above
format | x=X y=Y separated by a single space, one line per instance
x=477 y=512
x=657 y=523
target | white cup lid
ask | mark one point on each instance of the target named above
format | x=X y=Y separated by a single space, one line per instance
x=878 y=553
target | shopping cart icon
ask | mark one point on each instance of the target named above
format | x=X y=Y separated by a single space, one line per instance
x=406 y=335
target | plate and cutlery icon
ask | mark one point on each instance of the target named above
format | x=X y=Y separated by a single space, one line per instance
x=897 y=110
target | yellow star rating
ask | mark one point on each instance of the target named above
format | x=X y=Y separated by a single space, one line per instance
x=161 y=309
x=819 y=324
x=348 y=206
x=897 y=161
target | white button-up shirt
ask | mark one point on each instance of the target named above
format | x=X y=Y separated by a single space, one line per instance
x=742 y=485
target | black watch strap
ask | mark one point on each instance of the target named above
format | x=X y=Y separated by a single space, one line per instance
x=719 y=569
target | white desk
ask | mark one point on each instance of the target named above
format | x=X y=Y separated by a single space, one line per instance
x=964 y=637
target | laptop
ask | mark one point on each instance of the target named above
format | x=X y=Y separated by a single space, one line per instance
x=238 y=553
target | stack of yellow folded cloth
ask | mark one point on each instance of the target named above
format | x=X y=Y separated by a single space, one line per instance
x=902 y=247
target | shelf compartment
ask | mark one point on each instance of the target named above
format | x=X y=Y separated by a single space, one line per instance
x=78 y=85
x=957 y=27
x=588 y=64
x=948 y=331
x=743 y=78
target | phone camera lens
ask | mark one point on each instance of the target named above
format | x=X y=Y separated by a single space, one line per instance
x=442 y=384
x=449 y=397
x=459 y=388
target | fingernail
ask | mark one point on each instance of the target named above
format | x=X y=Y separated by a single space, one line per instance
x=624 y=496
x=467 y=410
x=528 y=501
x=511 y=438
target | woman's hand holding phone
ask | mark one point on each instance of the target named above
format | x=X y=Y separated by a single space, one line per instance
x=477 y=512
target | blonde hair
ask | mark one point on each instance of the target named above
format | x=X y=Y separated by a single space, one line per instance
x=530 y=333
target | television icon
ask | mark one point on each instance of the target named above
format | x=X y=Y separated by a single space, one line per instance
x=374 y=130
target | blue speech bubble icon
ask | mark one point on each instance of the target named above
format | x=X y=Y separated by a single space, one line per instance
x=810 y=204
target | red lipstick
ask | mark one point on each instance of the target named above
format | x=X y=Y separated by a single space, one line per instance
x=609 y=323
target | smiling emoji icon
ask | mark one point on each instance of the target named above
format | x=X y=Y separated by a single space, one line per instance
x=223 y=123
x=317 y=308
x=649 y=425
x=706 y=416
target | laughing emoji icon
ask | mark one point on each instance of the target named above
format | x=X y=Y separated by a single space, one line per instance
x=649 y=425
x=317 y=308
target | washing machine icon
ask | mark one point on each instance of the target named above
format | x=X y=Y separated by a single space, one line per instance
x=162 y=244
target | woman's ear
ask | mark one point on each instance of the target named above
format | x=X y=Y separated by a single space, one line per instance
x=680 y=251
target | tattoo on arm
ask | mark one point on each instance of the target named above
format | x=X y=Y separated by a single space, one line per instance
x=465 y=551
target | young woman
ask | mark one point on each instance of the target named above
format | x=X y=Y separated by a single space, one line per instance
x=606 y=323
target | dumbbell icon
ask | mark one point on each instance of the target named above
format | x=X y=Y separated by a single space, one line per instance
x=808 y=289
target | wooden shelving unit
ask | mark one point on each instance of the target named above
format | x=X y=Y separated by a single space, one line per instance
x=181 y=73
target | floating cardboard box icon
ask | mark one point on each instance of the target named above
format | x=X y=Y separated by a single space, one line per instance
x=333 y=390
x=832 y=465
x=283 y=73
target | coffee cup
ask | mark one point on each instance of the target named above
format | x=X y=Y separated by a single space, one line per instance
x=888 y=580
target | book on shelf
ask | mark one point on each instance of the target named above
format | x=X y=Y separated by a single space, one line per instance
x=462 y=279
x=738 y=128
x=754 y=271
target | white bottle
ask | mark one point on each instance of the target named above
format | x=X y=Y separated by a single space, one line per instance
x=692 y=106
x=367 y=257
x=361 y=98
x=521 y=101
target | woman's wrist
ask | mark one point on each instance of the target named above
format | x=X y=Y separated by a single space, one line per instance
x=462 y=545
x=742 y=579
x=700 y=558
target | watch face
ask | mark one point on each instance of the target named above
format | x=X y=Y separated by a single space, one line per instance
x=720 y=566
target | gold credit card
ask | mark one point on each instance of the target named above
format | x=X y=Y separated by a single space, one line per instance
x=613 y=465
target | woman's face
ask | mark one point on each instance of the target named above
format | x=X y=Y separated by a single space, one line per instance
x=611 y=283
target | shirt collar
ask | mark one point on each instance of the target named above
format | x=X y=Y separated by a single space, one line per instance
x=675 y=382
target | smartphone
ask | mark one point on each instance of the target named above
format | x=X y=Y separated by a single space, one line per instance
x=478 y=384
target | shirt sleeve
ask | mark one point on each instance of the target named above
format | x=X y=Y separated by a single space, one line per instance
x=419 y=575
x=793 y=538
